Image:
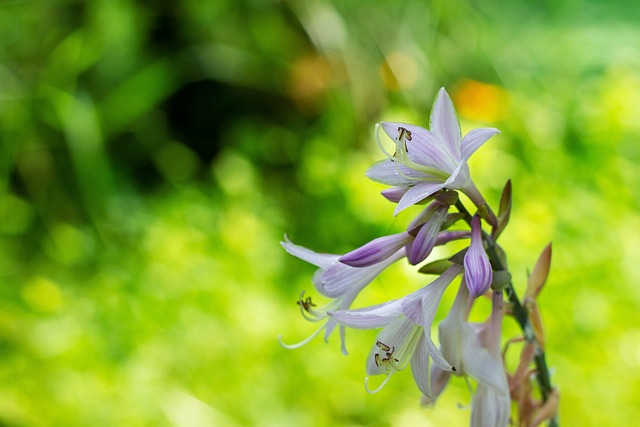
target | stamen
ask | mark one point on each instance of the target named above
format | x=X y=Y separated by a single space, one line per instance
x=303 y=342
x=403 y=159
x=366 y=384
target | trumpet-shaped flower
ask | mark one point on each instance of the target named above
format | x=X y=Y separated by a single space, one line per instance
x=426 y=161
x=491 y=404
x=406 y=334
x=477 y=268
x=460 y=344
x=333 y=279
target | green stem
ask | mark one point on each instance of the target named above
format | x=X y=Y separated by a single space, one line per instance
x=520 y=313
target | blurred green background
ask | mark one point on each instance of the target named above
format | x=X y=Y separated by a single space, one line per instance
x=154 y=153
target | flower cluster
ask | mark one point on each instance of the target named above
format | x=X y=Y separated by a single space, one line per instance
x=429 y=167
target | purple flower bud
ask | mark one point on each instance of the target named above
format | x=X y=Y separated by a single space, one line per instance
x=477 y=268
x=376 y=250
x=426 y=238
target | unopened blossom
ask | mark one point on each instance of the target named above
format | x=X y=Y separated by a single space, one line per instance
x=478 y=273
x=426 y=161
x=405 y=337
x=337 y=281
x=419 y=239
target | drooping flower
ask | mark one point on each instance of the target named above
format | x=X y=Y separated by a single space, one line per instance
x=460 y=344
x=477 y=269
x=406 y=334
x=339 y=282
x=426 y=161
x=491 y=403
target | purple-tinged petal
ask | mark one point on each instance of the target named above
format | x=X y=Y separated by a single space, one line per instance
x=474 y=140
x=448 y=236
x=420 y=367
x=427 y=236
x=438 y=381
x=342 y=278
x=417 y=193
x=401 y=337
x=424 y=147
x=424 y=216
x=444 y=124
x=477 y=268
x=318 y=259
x=372 y=317
x=376 y=250
x=393 y=173
x=394 y=194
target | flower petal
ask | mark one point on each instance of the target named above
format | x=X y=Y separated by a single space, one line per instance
x=424 y=147
x=394 y=194
x=426 y=238
x=372 y=317
x=393 y=173
x=444 y=124
x=376 y=250
x=420 y=367
x=416 y=193
x=340 y=278
x=401 y=337
x=474 y=140
x=318 y=259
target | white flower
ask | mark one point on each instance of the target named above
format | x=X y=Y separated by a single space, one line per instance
x=427 y=161
x=335 y=280
x=406 y=334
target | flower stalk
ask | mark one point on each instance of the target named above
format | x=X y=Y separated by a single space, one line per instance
x=430 y=167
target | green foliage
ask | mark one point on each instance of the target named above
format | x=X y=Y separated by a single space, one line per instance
x=153 y=154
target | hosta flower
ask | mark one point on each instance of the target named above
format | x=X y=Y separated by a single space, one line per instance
x=477 y=268
x=461 y=345
x=337 y=281
x=491 y=403
x=406 y=334
x=426 y=161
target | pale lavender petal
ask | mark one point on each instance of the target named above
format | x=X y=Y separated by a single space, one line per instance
x=341 y=278
x=417 y=193
x=401 y=336
x=420 y=367
x=490 y=407
x=474 y=140
x=426 y=238
x=477 y=268
x=459 y=179
x=394 y=194
x=424 y=216
x=376 y=250
x=424 y=148
x=445 y=125
x=372 y=317
x=318 y=259
x=393 y=173
x=439 y=379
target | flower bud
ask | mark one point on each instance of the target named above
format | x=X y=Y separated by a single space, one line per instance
x=477 y=268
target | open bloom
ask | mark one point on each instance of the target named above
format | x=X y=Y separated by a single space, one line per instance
x=406 y=334
x=426 y=161
x=491 y=404
x=335 y=280
x=461 y=345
